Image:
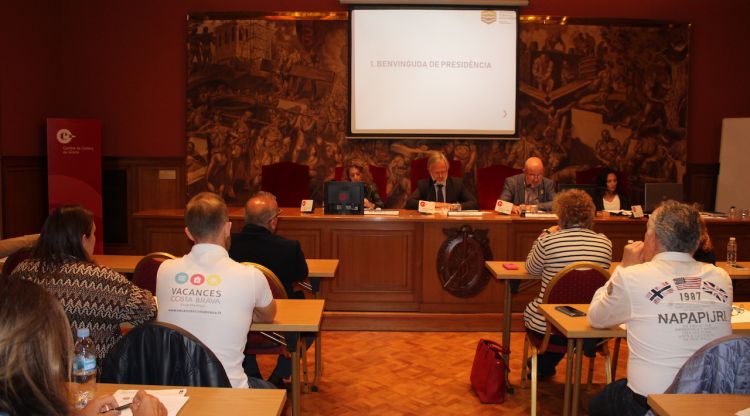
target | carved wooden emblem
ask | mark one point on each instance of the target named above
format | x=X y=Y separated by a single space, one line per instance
x=460 y=261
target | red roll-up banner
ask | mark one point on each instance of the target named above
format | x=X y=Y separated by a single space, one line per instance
x=74 y=167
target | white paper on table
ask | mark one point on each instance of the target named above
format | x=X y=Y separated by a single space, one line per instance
x=173 y=399
x=743 y=317
x=744 y=412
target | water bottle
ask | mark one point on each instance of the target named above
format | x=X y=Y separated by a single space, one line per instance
x=84 y=369
x=732 y=251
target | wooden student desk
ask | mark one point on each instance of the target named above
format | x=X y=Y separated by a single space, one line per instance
x=294 y=316
x=698 y=404
x=576 y=329
x=216 y=401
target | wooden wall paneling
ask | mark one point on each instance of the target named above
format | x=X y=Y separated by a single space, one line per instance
x=721 y=230
x=376 y=265
x=619 y=232
x=700 y=184
x=161 y=184
x=148 y=186
x=24 y=195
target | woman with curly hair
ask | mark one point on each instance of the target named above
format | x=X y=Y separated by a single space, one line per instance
x=358 y=173
x=571 y=240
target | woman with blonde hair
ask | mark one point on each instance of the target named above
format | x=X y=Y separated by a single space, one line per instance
x=36 y=349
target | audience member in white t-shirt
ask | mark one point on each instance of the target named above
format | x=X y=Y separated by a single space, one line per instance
x=671 y=303
x=212 y=296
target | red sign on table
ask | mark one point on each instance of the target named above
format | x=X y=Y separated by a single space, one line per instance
x=74 y=167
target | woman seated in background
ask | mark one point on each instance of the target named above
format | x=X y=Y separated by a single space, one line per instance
x=36 y=349
x=705 y=252
x=572 y=240
x=357 y=173
x=93 y=296
x=610 y=197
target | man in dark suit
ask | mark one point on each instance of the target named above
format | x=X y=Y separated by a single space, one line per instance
x=529 y=187
x=258 y=243
x=447 y=192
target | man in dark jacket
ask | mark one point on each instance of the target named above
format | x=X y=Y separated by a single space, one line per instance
x=258 y=243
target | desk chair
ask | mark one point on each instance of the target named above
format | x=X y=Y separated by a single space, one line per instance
x=163 y=354
x=144 y=274
x=490 y=182
x=289 y=182
x=576 y=283
x=273 y=342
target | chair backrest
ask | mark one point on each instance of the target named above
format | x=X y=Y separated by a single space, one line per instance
x=144 y=274
x=490 y=181
x=15 y=259
x=380 y=177
x=418 y=170
x=576 y=283
x=277 y=288
x=158 y=353
x=289 y=182
x=261 y=342
x=720 y=367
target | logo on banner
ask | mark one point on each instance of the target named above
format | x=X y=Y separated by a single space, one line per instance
x=64 y=136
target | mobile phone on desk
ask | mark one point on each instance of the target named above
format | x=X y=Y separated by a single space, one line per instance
x=570 y=311
x=738 y=266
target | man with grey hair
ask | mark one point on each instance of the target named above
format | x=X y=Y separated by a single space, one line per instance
x=671 y=303
x=447 y=191
x=258 y=243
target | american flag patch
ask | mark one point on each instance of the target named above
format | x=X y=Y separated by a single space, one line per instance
x=715 y=291
x=683 y=283
x=657 y=294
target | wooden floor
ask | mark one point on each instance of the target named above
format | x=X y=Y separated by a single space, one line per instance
x=422 y=373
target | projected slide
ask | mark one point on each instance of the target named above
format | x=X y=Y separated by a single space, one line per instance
x=445 y=71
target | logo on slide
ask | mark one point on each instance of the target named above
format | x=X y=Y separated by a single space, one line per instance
x=64 y=136
x=489 y=16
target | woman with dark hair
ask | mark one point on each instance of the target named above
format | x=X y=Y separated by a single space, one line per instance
x=610 y=197
x=357 y=173
x=705 y=252
x=36 y=349
x=571 y=241
x=93 y=296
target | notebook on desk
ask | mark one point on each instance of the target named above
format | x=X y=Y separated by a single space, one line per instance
x=655 y=193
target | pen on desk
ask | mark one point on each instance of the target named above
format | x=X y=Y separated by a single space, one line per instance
x=118 y=408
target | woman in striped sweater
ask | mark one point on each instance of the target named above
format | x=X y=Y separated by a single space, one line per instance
x=572 y=240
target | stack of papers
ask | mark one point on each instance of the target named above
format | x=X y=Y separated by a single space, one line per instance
x=470 y=213
x=539 y=215
x=381 y=212
x=173 y=399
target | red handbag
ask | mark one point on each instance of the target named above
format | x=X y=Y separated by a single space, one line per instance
x=488 y=371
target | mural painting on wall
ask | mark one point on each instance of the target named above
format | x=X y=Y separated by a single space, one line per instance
x=267 y=89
